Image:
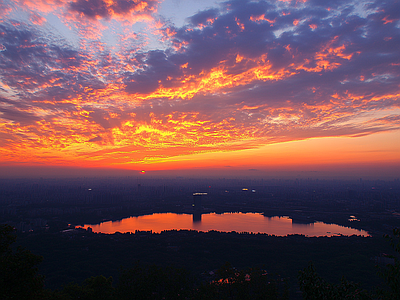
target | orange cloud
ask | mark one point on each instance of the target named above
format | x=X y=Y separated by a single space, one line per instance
x=37 y=19
x=261 y=18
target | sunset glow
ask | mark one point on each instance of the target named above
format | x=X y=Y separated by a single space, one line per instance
x=163 y=85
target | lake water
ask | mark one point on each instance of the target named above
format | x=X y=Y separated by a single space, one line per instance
x=226 y=222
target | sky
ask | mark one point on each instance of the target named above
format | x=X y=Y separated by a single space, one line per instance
x=203 y=87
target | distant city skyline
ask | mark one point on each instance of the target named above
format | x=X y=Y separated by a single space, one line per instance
x=200 y=88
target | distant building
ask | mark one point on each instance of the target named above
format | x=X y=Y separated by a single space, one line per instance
x=197 y=201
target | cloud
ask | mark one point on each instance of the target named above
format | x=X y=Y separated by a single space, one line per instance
x=158 y=68
x=236 y=76
x=37 y=19
x=204 y=17
x=96 y=139
x=94 y=9
x=43 y=71
x=90 y=8
x=27 y=60
x=234 y=44
x=21 y=117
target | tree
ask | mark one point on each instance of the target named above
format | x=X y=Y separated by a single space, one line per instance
x=93 y=288
x=18 y=269
x=250 y=283
x=316 y=288
x=391 y=273
x=153 y=282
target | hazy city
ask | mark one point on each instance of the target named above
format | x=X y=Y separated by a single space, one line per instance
x=57 y=219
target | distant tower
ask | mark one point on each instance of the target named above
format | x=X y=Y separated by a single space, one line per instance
x=197 y=201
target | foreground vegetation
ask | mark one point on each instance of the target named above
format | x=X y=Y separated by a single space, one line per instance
x=314 y=287
x=20 y=279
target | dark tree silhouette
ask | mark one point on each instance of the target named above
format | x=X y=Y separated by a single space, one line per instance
x=391 y=274
x=153 y=282
x=19 y=279
x=314 y=287
x=251 y=283
x=93 y=288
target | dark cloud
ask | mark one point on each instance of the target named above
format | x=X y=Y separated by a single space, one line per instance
x=104 y=9
x=40 y=69
x=388 y=120
x=124 y=6
x=326 y=3
x=157 y=69
x=203 y=17
x=90 y=8
x=27 y=60
x=21 y=117
x=387 y=12
x=234 y=32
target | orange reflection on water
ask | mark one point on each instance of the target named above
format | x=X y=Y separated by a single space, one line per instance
x=239 y=222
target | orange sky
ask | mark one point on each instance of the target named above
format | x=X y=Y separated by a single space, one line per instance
x=230 y=86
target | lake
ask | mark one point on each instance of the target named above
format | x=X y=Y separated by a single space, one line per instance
x=226 y=222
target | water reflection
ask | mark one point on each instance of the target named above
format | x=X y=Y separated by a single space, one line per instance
x=196 y=217
x=301 y=226
x=239 y=222
x=302 y=220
